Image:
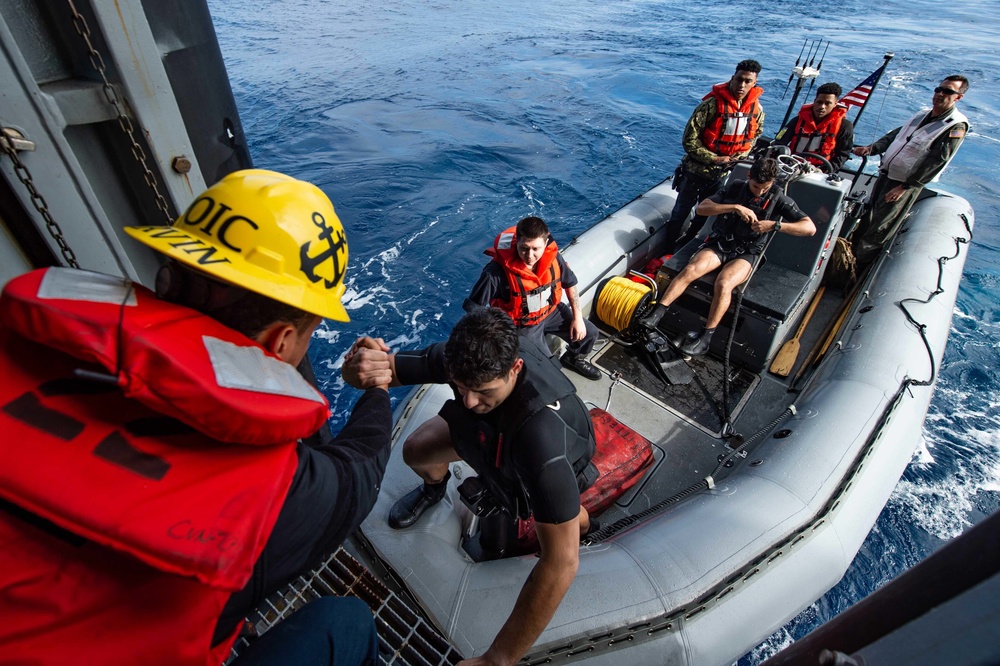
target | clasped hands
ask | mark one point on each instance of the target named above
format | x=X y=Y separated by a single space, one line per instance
x=366 y=364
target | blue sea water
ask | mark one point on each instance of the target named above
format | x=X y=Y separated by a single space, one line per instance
x=432 y=124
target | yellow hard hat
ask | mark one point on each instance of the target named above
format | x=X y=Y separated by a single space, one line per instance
x=266 y=232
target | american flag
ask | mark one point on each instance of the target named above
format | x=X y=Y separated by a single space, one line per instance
x=859 y=95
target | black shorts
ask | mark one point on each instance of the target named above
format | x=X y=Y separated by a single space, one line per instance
x=749 y=253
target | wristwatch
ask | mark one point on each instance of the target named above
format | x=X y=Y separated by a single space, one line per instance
x=905 y=186
x=777 y=226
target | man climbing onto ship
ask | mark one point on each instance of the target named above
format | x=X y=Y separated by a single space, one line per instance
x=516 y=419
x=158 y=482
x=913 y=155
x=820 y=128
x=720 y=132
x=526 y=279
x=746 y=211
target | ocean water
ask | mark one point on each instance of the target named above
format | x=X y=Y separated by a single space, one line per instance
x=433 y=124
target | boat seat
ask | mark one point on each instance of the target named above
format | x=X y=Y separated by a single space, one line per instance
x=773 y=291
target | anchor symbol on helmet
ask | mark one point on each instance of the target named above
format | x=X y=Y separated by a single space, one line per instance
x=335 y=246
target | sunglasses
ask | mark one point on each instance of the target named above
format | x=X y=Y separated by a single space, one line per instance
x=946 y=91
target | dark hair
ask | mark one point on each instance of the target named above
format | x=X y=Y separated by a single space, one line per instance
x=482 y=347
x=241 y=310
x=253 y=313
x=532 y=227
x=765 y=170
x=830 y=89
x=964 y=82
x=751 y=66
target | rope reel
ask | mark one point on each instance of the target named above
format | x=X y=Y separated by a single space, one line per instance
x=620 y=299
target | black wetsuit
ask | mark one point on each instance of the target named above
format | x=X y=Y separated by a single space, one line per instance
x=541 y=435
x=732 y=237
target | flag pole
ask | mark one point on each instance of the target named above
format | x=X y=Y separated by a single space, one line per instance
x=888 y=57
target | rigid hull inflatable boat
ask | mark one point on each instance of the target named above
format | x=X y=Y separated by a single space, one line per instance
x=722 y=536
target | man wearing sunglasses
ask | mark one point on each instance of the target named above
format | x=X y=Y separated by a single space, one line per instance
x=721 y=131
x=913 y=155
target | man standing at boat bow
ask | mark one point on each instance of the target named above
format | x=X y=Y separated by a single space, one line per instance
x=721 y=132
x=516 y=420
x=745 y=212
x=913 y=155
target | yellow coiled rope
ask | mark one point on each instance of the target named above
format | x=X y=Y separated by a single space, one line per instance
x=618 y=301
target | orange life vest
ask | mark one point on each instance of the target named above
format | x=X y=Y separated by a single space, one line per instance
x=124 y=527
x=735 y=124
x=533 y=294
x=808 y=136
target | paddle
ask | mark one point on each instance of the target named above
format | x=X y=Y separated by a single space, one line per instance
x=789 y=352
x=831 y=330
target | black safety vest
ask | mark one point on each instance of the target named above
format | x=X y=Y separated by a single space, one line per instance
x=488 y=448
x=730 y=230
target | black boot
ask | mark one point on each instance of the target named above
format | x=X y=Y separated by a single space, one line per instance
x=411 y=506
x=652 y=320
x=679 y=339
x=580 y=365
x=699 y=345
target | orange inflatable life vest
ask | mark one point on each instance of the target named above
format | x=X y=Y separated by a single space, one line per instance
x=735 y=124
x=124 y=528
x=809 y=136
x=533 y=294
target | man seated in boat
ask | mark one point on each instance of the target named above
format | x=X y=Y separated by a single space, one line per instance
x=516 y=419
x=526 y=279
x=164 y=490
x=746 y=211
x=821 y=128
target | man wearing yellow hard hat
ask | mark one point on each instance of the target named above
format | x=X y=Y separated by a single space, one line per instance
x=157 y=476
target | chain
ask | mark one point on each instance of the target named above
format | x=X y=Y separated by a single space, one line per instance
x=112 y=96
x=37 y=200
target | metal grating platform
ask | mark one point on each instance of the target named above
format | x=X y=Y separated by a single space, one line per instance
x=405 y=638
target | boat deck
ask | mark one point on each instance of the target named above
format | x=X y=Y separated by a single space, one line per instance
x=683 y=421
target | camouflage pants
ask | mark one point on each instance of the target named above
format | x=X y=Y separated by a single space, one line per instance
x=882 y=221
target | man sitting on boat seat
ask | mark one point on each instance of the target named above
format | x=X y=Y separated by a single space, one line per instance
x=913 y=155
x=745 y=212
x=526 y=279
x=155 y=485
x=821 y=128
x=516 y=420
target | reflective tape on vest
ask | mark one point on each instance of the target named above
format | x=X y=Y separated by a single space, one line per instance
x=248 y=368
